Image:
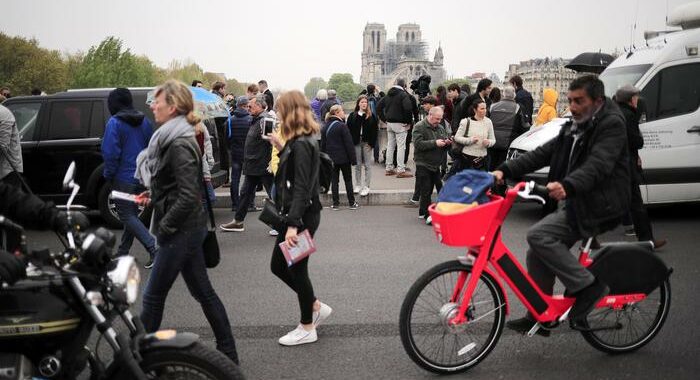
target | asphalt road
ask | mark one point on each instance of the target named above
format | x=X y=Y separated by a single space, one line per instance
x=366 y=262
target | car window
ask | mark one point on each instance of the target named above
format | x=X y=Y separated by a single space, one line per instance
x=26 y=115
x=673 y=91
x=69 y=120
x=97 y=124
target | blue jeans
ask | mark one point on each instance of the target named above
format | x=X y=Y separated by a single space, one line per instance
x=182 y=253
x=236 y=172
x=128 y=213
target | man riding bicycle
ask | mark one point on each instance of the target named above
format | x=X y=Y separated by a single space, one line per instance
x=589 y=177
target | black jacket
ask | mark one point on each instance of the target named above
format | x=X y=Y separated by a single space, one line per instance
x=326 y=106
x=363 y=128
x=269 y=99
x=297 y=180
x=635 y=140
x=463 y=109
x=337 y=142
x=524 y=98
x=597 y=183
x=508 y=122
x=238 y=133
x=257 y=151
x=398 y=106
x=26 y=209
x=177 y=188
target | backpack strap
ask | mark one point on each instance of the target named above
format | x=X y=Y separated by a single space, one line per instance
x=331 y=127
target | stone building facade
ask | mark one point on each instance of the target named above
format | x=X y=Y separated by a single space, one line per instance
x=542 y=73
x=383 y=61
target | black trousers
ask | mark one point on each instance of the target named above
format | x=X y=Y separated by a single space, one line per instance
x=640 y=217
x=426 y=179
x=347 y=177
x=248 y=193
x=297 y=276
x=496 y=157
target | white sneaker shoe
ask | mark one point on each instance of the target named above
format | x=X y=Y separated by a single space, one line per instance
x=273 y=232
x=364 y=192
x=298 y=336
x=321 y=315
x=356 y=189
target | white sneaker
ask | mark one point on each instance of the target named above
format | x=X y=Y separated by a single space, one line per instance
x=364 y=192
x=298 y=336
x=273 y=232
x=429 y=221
x=321 y=315
x=356 y=189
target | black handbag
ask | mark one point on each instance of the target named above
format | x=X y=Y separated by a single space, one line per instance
x=212 y=254
x=457 y=147
x=272 y=217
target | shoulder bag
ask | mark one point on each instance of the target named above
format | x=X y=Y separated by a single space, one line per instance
x=210 y=247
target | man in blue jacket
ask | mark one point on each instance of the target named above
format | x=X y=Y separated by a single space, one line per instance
x=237 y=132
x=127 y=133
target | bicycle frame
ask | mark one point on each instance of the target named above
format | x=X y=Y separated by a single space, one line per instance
x=500 y=262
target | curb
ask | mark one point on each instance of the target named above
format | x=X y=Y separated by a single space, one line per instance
x=375 y=198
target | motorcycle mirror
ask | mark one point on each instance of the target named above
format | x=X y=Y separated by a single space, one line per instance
x=68 y=178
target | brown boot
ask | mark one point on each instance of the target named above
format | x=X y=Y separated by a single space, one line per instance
x=404 y=175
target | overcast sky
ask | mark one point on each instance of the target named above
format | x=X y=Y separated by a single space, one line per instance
x=288 y=42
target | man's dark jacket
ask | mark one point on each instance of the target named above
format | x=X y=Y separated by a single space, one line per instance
x=463 y=110
x=524 y=98
x=257 y=152
x=635 y=141
x=397 y=106
x=597 y=183
x=427 y=153
x=238 y=132
x=269 y=99
x=176 y=188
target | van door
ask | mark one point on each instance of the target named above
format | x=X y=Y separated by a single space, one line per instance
x=671 y=129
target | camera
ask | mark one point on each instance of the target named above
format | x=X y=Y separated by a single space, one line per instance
x=421 y=86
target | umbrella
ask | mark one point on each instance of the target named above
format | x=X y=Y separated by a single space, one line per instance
x=206 y=103
x=590 y=62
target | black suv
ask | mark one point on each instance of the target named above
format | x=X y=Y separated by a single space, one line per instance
x=68 y=126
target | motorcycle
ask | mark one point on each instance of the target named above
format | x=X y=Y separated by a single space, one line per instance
x=46 y=320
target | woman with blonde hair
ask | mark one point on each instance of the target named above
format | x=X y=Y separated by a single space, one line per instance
x=296 y=196
x=171 y=167
x=336 y=141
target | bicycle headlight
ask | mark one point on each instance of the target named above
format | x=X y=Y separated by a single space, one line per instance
x=127 y=277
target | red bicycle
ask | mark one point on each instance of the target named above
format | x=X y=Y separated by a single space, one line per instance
x=453 y=315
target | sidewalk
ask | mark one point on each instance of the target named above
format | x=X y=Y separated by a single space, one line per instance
x=385 y=190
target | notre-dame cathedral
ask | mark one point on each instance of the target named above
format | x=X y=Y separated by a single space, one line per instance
x=405 y=57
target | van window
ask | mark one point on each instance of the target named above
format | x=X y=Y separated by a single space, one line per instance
x=26 y=115
x=97 y=125
x=69 y=120
x=673 y=91
x=614 y=78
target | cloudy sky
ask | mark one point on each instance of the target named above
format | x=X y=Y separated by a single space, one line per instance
x=288 y=42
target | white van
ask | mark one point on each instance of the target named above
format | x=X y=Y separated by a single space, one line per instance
x=667 y=70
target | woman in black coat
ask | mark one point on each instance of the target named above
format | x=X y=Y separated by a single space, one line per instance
x=337 y=142
x=296 y=196
x=363 y=129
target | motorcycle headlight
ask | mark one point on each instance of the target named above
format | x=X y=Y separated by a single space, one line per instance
x=126 y=276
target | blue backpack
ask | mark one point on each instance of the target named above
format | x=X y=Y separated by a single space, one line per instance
x=466 y=187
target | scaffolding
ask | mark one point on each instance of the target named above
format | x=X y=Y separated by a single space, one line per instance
x=395 y=52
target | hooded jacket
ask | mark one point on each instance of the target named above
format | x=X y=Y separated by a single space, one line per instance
x=127 y=133
x=316 y=107
x=397 y=107
x=594 y=169
x=548 y=110
x=238 y=130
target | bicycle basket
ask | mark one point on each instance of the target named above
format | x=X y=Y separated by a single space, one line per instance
x=467 y=228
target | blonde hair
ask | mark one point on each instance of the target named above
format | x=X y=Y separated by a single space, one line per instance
x=295 y=115
x=333 y=111
x=178 y=95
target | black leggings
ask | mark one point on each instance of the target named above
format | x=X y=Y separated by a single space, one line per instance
x=297 y=276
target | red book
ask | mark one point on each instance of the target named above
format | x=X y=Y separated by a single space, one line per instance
x=305 y=246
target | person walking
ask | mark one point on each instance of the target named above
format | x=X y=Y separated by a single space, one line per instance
x=363 y=125
x=336 y=141
x=508 y=123
x=297 y=197
x=548 y=109
x=127 y=133
x=238 y=130
x=396 y=109
x=476 y=134
x=522 y=97
x=430 y=141
x=627 y=98
x=171 y=167
x=256 y=163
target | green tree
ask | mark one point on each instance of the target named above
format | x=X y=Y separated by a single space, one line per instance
x=344 y=86
x=313 y=86
x=24 y=66
x=185 y=71
x=109 y=65
x=235 y=87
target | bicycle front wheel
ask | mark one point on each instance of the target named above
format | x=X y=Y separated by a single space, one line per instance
x=429 y=339
x=637 y=323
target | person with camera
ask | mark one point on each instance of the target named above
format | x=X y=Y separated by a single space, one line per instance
x=297 y=184
x=256 y=162
x=171 y=167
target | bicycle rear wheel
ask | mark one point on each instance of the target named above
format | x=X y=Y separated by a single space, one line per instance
x=426 y=334
x=638 y=322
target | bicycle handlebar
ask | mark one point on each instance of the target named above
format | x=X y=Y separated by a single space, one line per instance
x=533 y=191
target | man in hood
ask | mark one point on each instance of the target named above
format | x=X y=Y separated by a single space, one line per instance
x=548 y=109
x=127 y=133
x=396 y=110
x=237 y=132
